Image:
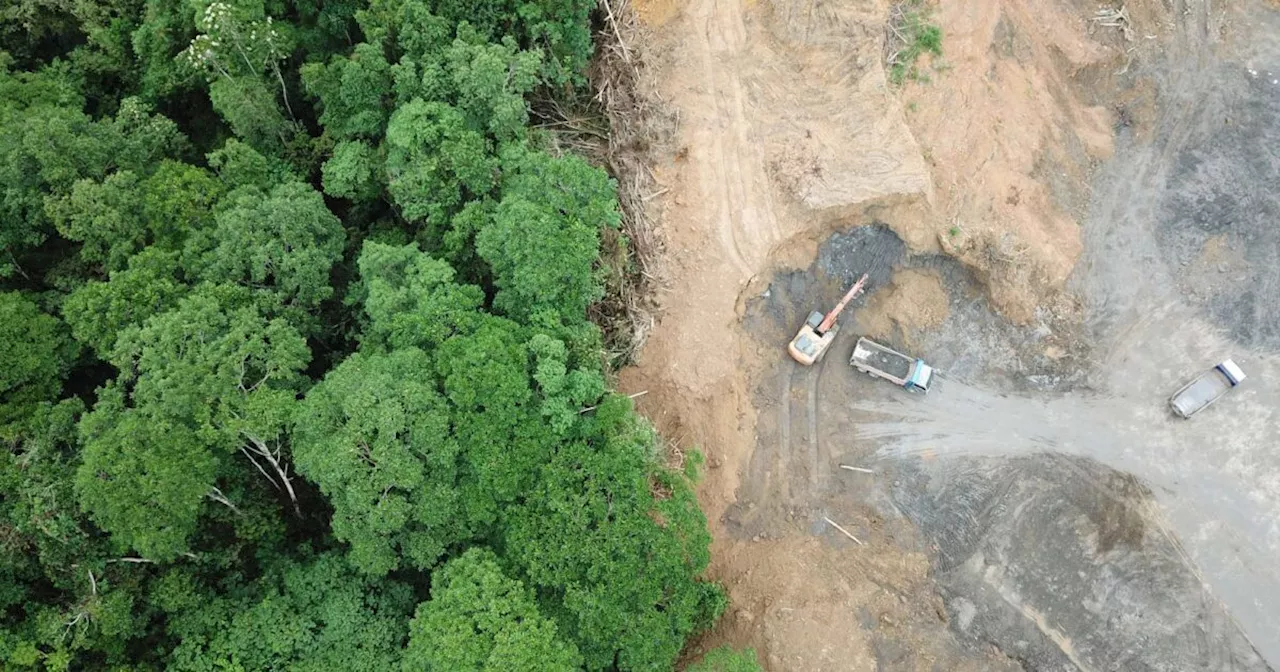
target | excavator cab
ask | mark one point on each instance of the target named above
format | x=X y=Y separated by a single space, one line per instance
x=809 y=346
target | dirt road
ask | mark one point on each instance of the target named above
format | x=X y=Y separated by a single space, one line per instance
x=1040 y=511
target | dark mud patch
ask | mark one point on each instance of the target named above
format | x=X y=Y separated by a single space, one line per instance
x=780 y=310
x=1118 y=515
x=973 y=344
x=1219 y=223
x=1048 y=558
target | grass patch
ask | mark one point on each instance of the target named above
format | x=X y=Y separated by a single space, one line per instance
x=909 y=35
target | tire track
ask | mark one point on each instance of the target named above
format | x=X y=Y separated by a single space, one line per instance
x=745 y=223
x=713 y=169
x=784 y=432
x=816 y=473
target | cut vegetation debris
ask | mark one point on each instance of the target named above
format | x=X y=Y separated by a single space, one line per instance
x=910 y=34
x=843 y=531
x=1116 y=18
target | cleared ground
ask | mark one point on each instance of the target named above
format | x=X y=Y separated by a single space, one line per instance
x=1041 y=509
x=1084 y=526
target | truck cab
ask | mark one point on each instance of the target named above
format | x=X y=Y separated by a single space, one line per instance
x=921 y=376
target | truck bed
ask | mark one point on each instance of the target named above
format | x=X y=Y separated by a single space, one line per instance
x=1201 y=392
x=890 y=363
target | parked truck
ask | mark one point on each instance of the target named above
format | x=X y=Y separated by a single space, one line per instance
x=1207 y=388
x=883 y=362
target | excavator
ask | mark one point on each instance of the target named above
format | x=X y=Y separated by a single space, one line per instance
x=818 y=332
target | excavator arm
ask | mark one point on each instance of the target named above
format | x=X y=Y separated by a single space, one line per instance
x=835 y=312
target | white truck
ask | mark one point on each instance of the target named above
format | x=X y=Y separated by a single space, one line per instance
x=883 y=362
x=1207 y=388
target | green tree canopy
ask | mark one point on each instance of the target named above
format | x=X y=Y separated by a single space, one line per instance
x=296 y=337
x=239 y=165
x=197 y=382
x=619 y=563
x=115 y=218
x=35 y=354
x=313 y=616
x=478 y=620
x=543 y=240
x=45 y=149
x=411 y=299
x=99 y=311
x=239 y=49
x=354 y=172
x=354 y=93
x=106 y=217
x=434 y=162
x=177 y=200
x=374 y=435
x=284 y=241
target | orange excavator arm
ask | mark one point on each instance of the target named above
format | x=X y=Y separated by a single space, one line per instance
x=830 y=319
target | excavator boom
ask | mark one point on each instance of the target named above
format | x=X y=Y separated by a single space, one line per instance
x=835 y=312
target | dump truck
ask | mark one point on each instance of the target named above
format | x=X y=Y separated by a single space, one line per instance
x=884 y=362
x=818 y=332
x=1207 y=388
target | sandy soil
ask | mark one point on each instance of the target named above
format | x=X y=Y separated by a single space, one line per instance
x=786 y=132
x=914 y=301
x=1010 y=144
x=790 y=132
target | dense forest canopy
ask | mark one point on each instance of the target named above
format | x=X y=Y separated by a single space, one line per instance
x=295 y=365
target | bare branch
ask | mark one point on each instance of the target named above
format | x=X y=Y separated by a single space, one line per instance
x=843 y=531
x=216 y=495
x=83 y=615
x=626 y=53
x=247 y=453
x=629 y=396
x=259 y=447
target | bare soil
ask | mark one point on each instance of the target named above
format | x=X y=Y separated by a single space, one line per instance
x=914 y=301
x=994 y=207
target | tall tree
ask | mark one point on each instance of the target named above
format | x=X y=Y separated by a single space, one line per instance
x=284 y=242
x=614 y=543
x=435 y=162
x=35 y=354
x=198 y=383
x=105 y=217
x=479 y=620
x=374 y=435
x=46 y=148
x=240 y=49
x=411 y=299
x=312 y=616
x=354 y=93
x=543 y=240
x=99 y=311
